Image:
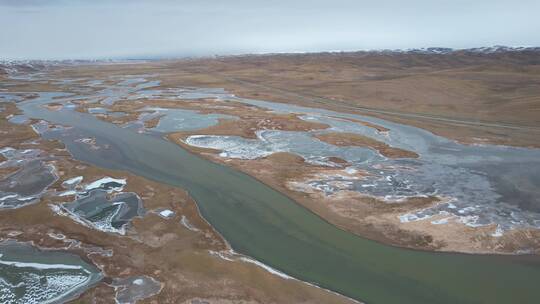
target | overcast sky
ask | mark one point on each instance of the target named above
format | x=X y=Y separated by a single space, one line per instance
x=79 y=29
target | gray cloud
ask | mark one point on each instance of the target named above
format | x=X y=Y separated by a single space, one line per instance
x=60 y=29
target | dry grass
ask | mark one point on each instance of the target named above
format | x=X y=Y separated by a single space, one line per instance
x=351 y=139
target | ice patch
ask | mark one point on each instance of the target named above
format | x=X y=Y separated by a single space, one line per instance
x=166 y=213
x=38 y=265
x=67 y=193
x=351 y=170
x=32 y=179
x=56 y=236
x=441 y=221
x=28 y=279
x=8 y=196
x=266 y=267
x=107 y=183
x=498 y=232
x=410 y=217
x=132 y=289
x=68 y=184
x=185 y=222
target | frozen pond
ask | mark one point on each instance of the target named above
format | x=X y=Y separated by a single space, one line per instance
x=27 y=184
x=105 y=111
x=32 y=276
x=100 y=212
x=172 y=120
x=101 y=205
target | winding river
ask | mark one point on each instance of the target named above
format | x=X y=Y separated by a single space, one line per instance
x=268 y=226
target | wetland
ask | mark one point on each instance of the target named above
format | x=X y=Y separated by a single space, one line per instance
x=473 y=186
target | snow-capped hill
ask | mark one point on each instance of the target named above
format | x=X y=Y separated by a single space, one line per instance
x=12 y=67
x=430 y=50
x=442 y=50
x=502 y=49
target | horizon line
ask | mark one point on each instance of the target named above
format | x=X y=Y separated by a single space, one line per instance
x=292 y=52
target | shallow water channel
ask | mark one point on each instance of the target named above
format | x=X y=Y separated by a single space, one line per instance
x=268 y=226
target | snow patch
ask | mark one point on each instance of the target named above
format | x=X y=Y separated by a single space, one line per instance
x=100 y=183
x=166 y=213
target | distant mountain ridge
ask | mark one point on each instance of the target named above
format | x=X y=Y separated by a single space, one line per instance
x=17 y=66
x=479 y=50
x=11 y=67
